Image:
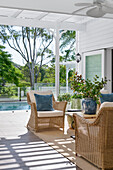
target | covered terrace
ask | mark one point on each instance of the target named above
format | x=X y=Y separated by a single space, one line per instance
x=54 y=16
x=94 y=34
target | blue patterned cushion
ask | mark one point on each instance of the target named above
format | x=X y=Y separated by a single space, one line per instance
x=106 y=98
x=44 y=102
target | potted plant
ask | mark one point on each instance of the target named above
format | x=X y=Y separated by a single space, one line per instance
x=76 y=101
x=90 y=91
x=65 y=97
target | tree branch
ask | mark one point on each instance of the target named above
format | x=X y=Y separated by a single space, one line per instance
x=34 y=44
x=23 y=38
x=12 y=46
x=28 y=38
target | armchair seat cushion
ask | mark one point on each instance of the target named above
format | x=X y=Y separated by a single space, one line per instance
x=53 y=113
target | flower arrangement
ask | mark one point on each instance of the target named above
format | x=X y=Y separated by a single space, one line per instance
x=87 y=88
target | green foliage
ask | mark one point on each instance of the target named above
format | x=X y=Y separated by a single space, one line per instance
x=47 y=74
x=24 y=84
x=25 y=72
x=87 y=88
x=64 y=97
x=62 y=74
x=8 y=72
x=77 y=96
x=67 y=46
x=9 y=91
x=33 y=45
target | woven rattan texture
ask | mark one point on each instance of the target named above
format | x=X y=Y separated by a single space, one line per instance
x=94 y=141
x=36 y=123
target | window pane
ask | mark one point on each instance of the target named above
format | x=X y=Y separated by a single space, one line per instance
x=93 y=66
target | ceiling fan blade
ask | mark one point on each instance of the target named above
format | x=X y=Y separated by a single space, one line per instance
x=82 y=4
x=107 y=9
x=96 y=12
x=74 y=12
x=108 y=3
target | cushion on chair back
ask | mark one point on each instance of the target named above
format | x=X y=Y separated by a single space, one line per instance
x=44 y=102
x=106 y=104
x=106 y=98
x=104 y=91
x=32 y=92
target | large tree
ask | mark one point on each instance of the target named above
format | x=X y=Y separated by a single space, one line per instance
x=67 y=45
x=32 y=44
x=8 y=72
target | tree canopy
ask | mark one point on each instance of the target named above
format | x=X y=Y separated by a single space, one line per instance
x=67 y=45
x=35 y=46
x=8 y=72
x=32 y=44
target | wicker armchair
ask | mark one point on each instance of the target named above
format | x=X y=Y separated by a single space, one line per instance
x=94 y=141
x=43 y=119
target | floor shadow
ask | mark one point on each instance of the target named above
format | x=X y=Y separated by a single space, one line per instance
x=30 y=152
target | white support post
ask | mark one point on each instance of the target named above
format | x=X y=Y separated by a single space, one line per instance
x=77 y=50
x=67 y=70
x=76 y=42
x=78 y=65
x=57 y=69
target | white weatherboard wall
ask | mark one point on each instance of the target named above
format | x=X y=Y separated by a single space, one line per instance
x=98 y=35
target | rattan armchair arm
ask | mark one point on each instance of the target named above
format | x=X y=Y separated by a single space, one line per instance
x=81 y=125
x=33 y=117
x=28 y=99
x=83 y=120
x=59 y=105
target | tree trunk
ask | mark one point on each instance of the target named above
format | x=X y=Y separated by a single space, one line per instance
x=36 y=74
x=32 y=75
x=31 y=71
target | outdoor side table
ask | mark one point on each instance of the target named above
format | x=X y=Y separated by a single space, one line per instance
x=70 y=118
x=72 y=114
x=86 y=116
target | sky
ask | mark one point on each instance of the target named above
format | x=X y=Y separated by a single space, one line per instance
x=16 y=58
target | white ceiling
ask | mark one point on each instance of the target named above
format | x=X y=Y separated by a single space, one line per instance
x=45 y=13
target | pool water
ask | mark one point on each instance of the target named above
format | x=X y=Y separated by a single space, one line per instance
x=14 y=106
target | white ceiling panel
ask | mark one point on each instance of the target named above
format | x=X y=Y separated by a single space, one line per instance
x=27 y=14
x=7 y=12
x=46 y=13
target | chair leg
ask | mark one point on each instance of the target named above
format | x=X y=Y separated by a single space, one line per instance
x=36 y=130
x=27 y=126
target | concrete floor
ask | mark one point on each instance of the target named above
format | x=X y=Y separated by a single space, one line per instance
x=22 y=150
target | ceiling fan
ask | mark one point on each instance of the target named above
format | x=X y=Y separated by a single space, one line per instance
x=98 y=8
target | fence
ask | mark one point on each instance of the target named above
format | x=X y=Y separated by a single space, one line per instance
x=13 y=93
x=51 y=86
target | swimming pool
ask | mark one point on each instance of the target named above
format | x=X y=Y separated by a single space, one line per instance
x=14 y=106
